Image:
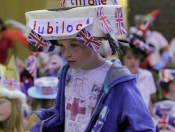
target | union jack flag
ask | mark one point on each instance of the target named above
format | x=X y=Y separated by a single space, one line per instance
x=39 y=42
x=119 y=21
x=31 y=65
x=163 y=123
x=171 y=121
x=11 y=83
x=143 y=28
x=103 y=20
x=62 y=3
x=166 y=123
x=85 y=38
x=115 y=2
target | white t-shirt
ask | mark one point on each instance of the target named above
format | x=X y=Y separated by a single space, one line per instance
x=145 y=84
x=159 y=42
x=81 y=93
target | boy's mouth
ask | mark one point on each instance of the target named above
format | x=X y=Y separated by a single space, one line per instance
x=71 y=62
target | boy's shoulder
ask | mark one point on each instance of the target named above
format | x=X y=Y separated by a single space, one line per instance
x=118 y=68
x=117 y=71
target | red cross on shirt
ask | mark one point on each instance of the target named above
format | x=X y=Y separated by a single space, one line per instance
x=75 y=109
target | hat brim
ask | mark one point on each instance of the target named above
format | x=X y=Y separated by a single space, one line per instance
x=32 y=93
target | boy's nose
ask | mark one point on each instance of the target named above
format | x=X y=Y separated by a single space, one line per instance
x=66 y=53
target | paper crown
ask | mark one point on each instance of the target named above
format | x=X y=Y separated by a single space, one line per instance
x=146 y=22
x=103 y=19
x=166 y=75
x=9 y=83
x=72 y=3
x=44 y=88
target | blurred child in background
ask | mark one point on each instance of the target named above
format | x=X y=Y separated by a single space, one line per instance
x=11 y=118
x=6 y=45
x=164 y=110
x=167 y=83
x=153 y=37
x=53 y=66
x=43 y=95
x=12 y=101
x=131 y=58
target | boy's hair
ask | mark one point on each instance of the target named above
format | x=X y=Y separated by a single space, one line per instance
x=135 y=51
x=15 y=121
x=165 y=86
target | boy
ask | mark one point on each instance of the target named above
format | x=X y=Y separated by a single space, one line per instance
x=94 y=94
x=131 y=58
x=166 y=78
x=164 y=109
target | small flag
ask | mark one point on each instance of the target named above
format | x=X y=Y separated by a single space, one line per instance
x=119 y=21
x=85 y=38
x=32 y=65
x=103 y=21
x=40 y=43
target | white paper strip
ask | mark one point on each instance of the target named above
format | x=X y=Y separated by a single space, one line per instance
x=59 y=27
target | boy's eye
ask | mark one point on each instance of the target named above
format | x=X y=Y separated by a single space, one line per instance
x=60 y=45
x=74 y=45
x=128 y=57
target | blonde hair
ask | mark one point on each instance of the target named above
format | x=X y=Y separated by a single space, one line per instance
x=15 y=122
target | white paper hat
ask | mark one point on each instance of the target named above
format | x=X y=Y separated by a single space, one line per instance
x=81 y=19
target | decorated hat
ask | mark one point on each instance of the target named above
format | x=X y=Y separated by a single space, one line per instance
x=166 y=75
x=145 y=22
x=44 y=88
x=104 y=19
x=9 y=83
x=138 y=42
x=136 y=36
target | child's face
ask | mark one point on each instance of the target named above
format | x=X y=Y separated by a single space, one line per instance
x=131 y=61
x=5 y=109
x=76 y=54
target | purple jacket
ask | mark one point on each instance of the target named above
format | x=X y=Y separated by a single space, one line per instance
x=120 y=107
